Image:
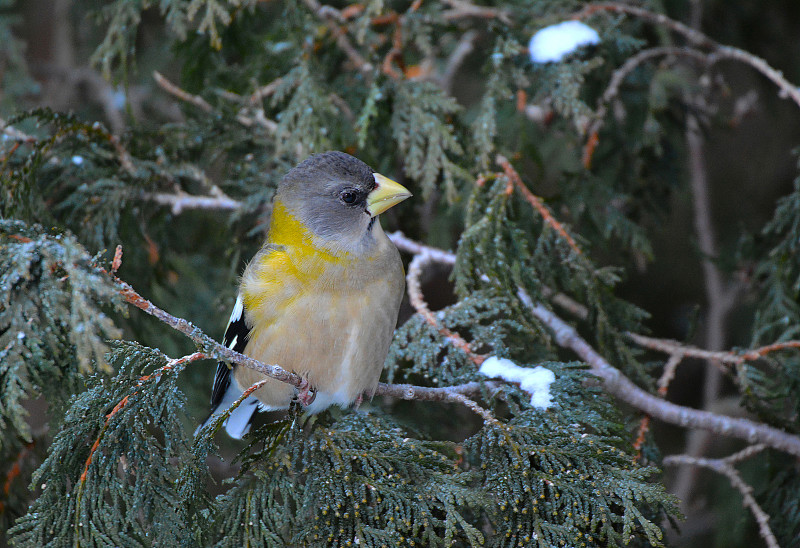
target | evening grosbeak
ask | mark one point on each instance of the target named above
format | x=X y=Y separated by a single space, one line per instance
x=321 y=297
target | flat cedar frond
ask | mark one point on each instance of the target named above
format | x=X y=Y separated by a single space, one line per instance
x=561 y=478
x=53 y=323
x=117 y=487
x=425 y=135
x=359 y=478
x=307 y=109
x=771 y=388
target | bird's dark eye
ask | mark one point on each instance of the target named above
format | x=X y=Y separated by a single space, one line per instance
x=349 y=196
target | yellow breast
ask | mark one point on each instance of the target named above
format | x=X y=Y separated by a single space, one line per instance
x=316 y=313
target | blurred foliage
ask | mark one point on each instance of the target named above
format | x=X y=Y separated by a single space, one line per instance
x=428 y=93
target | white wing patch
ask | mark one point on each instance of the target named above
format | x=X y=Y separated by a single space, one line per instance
x=236 y=315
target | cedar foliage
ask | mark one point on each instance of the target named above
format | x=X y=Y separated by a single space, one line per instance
x=122 y=465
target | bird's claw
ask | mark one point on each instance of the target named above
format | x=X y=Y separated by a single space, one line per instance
x=306 y=393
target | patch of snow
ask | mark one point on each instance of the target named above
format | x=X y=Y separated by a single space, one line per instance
x=551 y=44
x=535 y=381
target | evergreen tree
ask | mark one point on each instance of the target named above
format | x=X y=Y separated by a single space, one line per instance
x=520 y=385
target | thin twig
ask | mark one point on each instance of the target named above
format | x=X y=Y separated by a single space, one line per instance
x=669 y=346
x=125 y=158
x=669 y=373
x=698 y=39
x=455 y=394
x=408 y=245
x=536 y=202
x=745 y=454
x=174 y=90
x=611 y=92
x=403 y=243
x=567 y=303
x=264 y=91
x=418 y=302
x=764 y=350
x=464 y=47
x=117 y=260
x=695 y=37
x=674 y=348
x=461 y=9
x=725 y=467
x=16 y=134
x=328 y=14
x=180 y=202
x=787 y=89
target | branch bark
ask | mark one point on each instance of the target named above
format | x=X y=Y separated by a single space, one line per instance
x=725 y=467
x=213 y=350
x=619 y=386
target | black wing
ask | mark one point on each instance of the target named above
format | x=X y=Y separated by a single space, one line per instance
x=236 y=339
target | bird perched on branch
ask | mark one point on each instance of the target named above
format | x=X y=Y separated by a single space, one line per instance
x=322 y=295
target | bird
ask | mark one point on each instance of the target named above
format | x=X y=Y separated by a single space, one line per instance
x=322 y=295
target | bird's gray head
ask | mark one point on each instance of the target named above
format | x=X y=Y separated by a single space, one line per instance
x=338 y=197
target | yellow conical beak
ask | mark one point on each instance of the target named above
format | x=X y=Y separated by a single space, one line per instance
x=385 y=195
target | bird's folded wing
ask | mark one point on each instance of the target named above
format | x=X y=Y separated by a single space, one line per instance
x=224 y=392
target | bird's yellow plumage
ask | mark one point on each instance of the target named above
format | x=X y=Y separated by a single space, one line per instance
x=291 y=253
x=321 y=297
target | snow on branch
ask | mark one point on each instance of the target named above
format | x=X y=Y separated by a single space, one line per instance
x=555 y=42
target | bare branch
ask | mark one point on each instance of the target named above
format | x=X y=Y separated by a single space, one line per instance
x=180 y=202
x=725 y=467
x=418 y=302
x=536 y=202
x=453 y=394
x=787 y=89
x=461 y=9
x=264 y=91
x=408 y=245
x=248 y=117
x=174 y=90
x=669 y=373
x=668 y=346
x=464 y=47
x=330 y=15
x=746 y=453
x=694 y=37
x=671 y=347
x=611 y=92
x=698 y=39
x=619 y=386
x=16 y=134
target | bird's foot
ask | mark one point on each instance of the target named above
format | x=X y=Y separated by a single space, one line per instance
x=358 y=401
x=306 y=393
